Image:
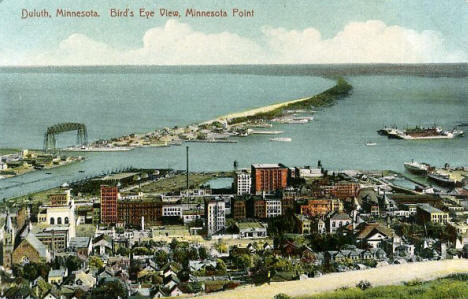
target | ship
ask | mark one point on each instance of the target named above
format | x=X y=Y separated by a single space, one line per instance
x=281 y=139
x=441 y=179
x=417 y=168
x=419 y=133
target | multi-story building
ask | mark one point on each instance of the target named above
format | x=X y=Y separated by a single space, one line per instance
x=215 y=216
x=172 y=210
x=427 y=213
x=272 y=208
x=341 y=190
x=239 y=209
x=109 y=196
x=287 y=203
x=259 y=208
x=131 y=212
x=242 y=182
x=268 y=178
x=321 y=207
x=304 y=224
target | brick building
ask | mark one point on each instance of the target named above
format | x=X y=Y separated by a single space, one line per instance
x=130 y=212
x=341 y=190
x=239 y=209
x=320 y=207
x=268 y=178
x=109 y=196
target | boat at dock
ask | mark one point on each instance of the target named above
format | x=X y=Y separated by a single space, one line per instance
x=417 y=168
x=281 y=139
x=441 y=179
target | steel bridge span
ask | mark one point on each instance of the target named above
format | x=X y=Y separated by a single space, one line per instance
x=50 y=136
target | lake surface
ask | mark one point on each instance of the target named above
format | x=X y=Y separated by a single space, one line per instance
x=113 y=104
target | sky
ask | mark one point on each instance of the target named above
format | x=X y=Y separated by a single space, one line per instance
x=281 y=32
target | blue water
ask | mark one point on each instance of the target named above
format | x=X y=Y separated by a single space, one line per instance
x=116 y=104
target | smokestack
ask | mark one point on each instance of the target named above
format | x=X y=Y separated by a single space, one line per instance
x=187 y=174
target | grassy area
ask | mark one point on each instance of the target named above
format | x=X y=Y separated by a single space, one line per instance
x=85 y=230
x=178 y=182
x=453 y=286
x=40 y=196
x=8 y=151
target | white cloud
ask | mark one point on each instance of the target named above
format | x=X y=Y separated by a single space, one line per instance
x=177 y=43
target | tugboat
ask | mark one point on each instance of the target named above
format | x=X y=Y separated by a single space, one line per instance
x=417 y=168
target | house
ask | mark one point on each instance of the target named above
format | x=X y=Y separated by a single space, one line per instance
x=171 y=281
x=373 y=234
x=84 y=279
x=338 y=220
x=102 y=245
x=56 y=276
x=81 y=245
x=304 y=224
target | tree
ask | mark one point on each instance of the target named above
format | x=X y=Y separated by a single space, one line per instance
x=123 y=251
x=160 y=257
x=243 y=261
x=95 y=262
x=174 y=244
x=73 y=263
x=221 y=246
x=112 y=289
x=202 y=253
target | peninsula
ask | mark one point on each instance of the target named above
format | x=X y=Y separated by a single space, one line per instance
x=221 y=129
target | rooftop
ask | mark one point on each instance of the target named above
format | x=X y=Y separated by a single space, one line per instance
x=268 y=166
x=79 y=242
x=428 y=208
x=248 y=225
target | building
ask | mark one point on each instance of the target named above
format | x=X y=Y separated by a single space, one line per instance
x=427 y=213
x=242 y=182
x=338 y=220
x=215 y=216
x=30 y=249
x=239 y=209
x=321 y=207
x=304 y=224
x=252 y=230
x=272 y=208
x=109 y=196
x=259 y=208
x=81 y=245
x=268 y=178
x=60 y=214
x=54 y=237
x=131 y=212
x=287 y=203
x=342 y=190
x=172 y=210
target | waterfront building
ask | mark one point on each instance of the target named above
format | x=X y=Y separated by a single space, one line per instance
x=268 y=178
x=427 y=213
x=215 y=216
x=242 y=182
x=109 y=196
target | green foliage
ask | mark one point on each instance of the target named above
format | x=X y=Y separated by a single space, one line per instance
x=364 y=285
x=95 y=262
x=113 y=289
x=141 y=251
x=319 y=242
x=282 y=296
x=123 y=251
x=160 y=257
x=203 y=254
x=73 y=263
